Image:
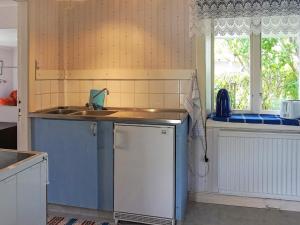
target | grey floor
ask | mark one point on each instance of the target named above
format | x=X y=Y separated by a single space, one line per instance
x=203 y=214
x=210 y=214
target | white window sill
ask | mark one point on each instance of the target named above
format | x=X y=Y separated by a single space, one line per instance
x=250 y=126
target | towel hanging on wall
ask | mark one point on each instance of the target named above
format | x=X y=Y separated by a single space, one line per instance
x=193 y=106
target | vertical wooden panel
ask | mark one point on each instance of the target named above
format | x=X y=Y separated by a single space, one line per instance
x=154 y=32
x=114 y=34
x=141 y=26
x=117 y=33
x=148 y=34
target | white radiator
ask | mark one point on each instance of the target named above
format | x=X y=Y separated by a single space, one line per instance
x=263 y=165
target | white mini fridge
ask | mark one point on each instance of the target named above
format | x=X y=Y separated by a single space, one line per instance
x=144 y=174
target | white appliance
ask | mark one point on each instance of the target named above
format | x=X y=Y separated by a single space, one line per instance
x=144 y=174
x=290 y=109
x=23 y=181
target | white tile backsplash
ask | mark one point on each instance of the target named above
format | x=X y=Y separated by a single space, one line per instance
x=172 y=87
x=172 y=101
x=156 y=101
x=61 y=99
x=113 y=100
x=114 y=86
x=54 y=98
x=141 y=86
x=127 y=100
x=141 y=100
x=156 y=86
x=123 y=93
x=46 y=101
x=54 y=86
x=73 y=86
x=127 y=86
x=73 y=99
x=99 y=84
x=38 y=102
x=45 y=87
x=184 y=86
x=85 y=86
x=182 y=100
x=38 y=87
x=84 y=98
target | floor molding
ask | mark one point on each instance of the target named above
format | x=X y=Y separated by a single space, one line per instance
x=216 y=198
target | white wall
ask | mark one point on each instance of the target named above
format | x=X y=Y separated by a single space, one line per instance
x=7 y=54
x=15 y=71
x=8 y=17
x=8 y=49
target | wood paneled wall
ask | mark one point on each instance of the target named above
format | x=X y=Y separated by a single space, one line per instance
x=129 y=34
x=123 y=37
x=111 y=34
x=46 y=33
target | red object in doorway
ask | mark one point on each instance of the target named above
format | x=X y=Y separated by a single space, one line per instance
x=11 y=100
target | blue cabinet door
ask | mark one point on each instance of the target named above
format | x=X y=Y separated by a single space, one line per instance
x=106 y=167
x=73 y=160
x=181 y=169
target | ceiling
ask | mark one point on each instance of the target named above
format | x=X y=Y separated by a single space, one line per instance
x=5 y=3
x=8 y=37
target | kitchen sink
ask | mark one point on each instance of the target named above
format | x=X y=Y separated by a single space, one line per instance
x=62 y=111
x=94 y=113
x=8 y=158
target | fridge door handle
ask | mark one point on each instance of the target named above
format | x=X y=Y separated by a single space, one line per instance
x=119 y=139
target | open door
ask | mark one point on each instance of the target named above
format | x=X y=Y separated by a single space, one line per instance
x=8 y=75
x=14 y=129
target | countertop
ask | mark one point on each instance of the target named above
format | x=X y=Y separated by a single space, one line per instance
x=160 y=116
x=13 y=162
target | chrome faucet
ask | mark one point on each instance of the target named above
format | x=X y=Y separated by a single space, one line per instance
x=91 y=105
x=100 y=92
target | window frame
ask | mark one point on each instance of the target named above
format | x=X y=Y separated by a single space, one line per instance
x=255 y=76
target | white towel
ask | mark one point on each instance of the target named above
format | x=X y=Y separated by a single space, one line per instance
x=193 y=106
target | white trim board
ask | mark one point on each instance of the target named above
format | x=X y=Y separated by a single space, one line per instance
x=216 y=198
x=111 y=74
x=49 y=74
x=24 y=133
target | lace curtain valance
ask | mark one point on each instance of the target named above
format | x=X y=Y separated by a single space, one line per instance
x=238 y=17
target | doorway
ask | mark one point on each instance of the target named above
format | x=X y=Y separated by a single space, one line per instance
x=13 y=75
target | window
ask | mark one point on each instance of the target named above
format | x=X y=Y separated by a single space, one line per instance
x=232 y=70
x=279 y=71
x=277 y=78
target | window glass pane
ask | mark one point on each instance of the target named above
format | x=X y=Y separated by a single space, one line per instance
x=280 y=72
x=232 y=70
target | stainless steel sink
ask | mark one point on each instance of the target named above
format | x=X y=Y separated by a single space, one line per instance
x=94 y=113
x=8 y=158
x=62 y=111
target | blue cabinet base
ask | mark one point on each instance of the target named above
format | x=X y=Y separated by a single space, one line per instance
x=181 y=169
x=81 y=162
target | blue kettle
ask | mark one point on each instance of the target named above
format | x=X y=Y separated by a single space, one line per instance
x=223 y=108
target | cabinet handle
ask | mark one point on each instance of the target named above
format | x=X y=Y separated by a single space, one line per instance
x=119 y=142
x=94 y=129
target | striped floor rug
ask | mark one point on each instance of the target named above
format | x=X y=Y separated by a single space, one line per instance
x=57 y=220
